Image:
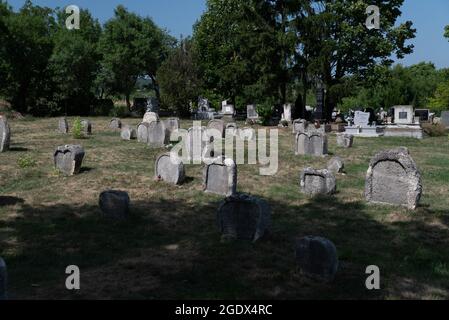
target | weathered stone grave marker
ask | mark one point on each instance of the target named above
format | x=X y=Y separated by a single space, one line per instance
x=169 y=170
x=114 y=204
x=128 y=133
x=336 y=165
x=218 y=125
x=142 y=132
x=244 y=217
x=311 y=144
x=157 y=134
x=315 y=182
x=63 y=126
x=220 y=177
x=5 y=134
x=68 y=159
x=115 y=123
x=316 y=257
x=87 y=127
x=345 y=140
x=393 y=178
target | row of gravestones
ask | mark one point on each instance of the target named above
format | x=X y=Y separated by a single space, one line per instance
x=63 y=126
x=392 y=178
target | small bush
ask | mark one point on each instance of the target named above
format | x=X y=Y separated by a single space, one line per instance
x=26 y=161
x=77 y=130
x=434 y=130
x=265 y=111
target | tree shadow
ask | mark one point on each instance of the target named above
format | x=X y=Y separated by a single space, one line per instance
x=10 y=201
x=171 y=249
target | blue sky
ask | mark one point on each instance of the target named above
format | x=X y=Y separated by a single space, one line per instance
x=178 y=16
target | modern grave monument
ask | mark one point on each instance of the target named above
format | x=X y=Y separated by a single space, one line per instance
x=361 y=126
x=406 y=124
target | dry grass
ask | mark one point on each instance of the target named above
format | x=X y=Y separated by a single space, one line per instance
x=171 y=249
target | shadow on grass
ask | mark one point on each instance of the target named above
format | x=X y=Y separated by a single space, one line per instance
x=172 y=250
x=10 y=201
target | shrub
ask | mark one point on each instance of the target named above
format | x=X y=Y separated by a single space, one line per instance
x=265 y=111
x=434 y=130
x=119 y=110
x=77 y=130
x=26 y=161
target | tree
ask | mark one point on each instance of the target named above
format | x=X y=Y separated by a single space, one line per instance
x=446 y=31
x=440 y=101
x=179 y=78
x=75 y=63
x=132 y=46
x=241 y=50
x=334 y=28
x=27 y=45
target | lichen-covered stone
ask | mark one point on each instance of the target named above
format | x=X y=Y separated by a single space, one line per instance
x=314 y=144
x=393 y=178
x=345 y=140
x=244 y=217
x=157 y=134
x=317 y=182
x=68 y=159
x=87 y=127
x=336 y=165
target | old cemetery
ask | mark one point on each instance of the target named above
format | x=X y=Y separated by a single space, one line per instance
x=139 y=225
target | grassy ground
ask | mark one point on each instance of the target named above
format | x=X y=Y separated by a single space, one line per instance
x=171 y=249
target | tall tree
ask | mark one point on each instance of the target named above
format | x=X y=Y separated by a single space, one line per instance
x=75 y=62
x=132 y=46
x=27 y=45
x=342 y=45
x=179 y=78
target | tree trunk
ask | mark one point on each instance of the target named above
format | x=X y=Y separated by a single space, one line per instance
x=156 y=88
x=128 y=102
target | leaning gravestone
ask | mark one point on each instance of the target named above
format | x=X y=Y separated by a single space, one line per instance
x=345 y=140
x=317 y=182
x=142 y=132
x=157 y=134
x=5 y=134
x=87 y=126
x=217 y=125
x=393 y=178
x=317 y=258
x=220 y=177
x=115 y=123
x=68 y=159
x=3 y=280
x=244 y=217
x=311 y=144
x=169 y=170
x=128 y=133
x=63 y=126
x=171 y=124
x=114 y=204
x=336 y=165
x=150 y=116
x=445 y=119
